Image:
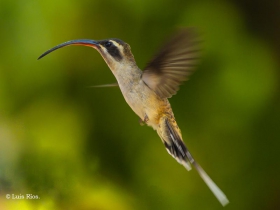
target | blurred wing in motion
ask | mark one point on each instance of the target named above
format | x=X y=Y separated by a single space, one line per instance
x=106 y=85
x=173 y=64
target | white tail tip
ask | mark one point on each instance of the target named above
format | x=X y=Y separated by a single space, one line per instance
x=213 y=187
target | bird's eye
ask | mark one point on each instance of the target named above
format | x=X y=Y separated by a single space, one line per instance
x=108 y=44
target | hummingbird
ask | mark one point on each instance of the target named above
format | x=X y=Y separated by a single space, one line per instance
x=147 y=91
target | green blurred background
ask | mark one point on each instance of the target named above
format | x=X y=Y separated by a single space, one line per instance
x=82 y=148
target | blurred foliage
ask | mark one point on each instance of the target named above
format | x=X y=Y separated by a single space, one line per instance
x=82 y=148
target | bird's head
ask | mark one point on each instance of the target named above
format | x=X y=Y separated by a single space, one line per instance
x=115 y=52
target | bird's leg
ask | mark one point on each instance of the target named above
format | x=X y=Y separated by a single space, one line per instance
x=143 y=122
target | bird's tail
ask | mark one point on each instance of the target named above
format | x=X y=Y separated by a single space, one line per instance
x=172 y=139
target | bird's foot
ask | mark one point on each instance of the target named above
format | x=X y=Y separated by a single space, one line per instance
x=143 y=122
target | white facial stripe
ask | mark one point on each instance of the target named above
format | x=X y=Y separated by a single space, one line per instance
x=115 y=43
x=103 y=48
x=120 y=47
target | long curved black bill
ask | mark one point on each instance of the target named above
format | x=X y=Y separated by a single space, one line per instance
x=84 y=42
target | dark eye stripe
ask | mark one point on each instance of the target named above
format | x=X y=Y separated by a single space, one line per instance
x=112 y=49
x=114 y=52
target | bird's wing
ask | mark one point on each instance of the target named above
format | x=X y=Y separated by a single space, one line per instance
x=173 y=64
x=106 y=85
